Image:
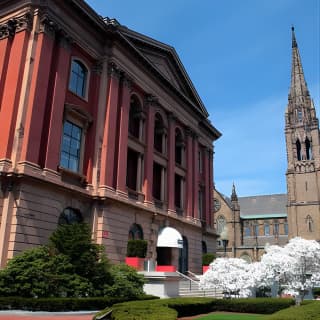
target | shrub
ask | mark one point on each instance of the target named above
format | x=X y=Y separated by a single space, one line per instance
x=126 y=283
x=137 y=248
x=207 y=258
x=307 y=311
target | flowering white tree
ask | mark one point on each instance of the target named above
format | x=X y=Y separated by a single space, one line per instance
x=231 y=275
x=296 y=267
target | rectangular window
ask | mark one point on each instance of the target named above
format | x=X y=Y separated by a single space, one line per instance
x=157 y=181
x=200 y=159
x=247 y=231
x=132 y=169
x=286 y=228
x=267 y=229
x=71 y=146
x=276 y=229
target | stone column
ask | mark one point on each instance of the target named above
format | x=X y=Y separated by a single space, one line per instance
x=189 y=175
x=195 y=187
x=61 y=78
x=13 y=82
x=148 y=163
x=123 y=136
x=38 y=94
x=171 y=163
x=108 y=166
x=206 y=175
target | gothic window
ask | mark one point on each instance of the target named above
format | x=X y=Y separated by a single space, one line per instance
x=179 y=147
x=70 y=216
x=78 y=78
x=299 y=114
x=247 y=229
x=221 y=222
x=276 y=228
x=135 y=232
x=309 y=223
x=256 y=229
x=308 y=149
x=298 y=146
x=159 y=134
x=71 y=146
x=266 y=229
x=285 y=226
x=135 y=118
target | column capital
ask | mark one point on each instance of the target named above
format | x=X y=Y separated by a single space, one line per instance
x=24 y=22
x=8 y=29
x=151 y=100
x=47 y=25
x=114 y=71
x=172 y=118
x=98 y=67
x=127 y=81
x=189 y=132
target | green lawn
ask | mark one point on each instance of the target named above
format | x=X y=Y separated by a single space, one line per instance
x=233 y=316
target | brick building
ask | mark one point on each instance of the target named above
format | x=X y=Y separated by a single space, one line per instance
x=102 y=124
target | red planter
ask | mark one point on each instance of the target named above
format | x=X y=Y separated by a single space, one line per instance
x=204 y=269
x=135 y=262
x=167 y=268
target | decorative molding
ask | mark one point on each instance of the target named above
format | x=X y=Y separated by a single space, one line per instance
x=151 y=100
x=8 y=29
x=127 y=81
x=64 y=39
x=47 y=25
x=114 y=71
x=24 y=22
x=98 y=67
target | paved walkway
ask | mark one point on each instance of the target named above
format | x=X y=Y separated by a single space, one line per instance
x=27 y=315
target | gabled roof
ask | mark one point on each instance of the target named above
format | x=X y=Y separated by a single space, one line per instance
x=266 y=206
x=165 y=61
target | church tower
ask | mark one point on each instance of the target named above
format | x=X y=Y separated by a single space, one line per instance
x=303 y=154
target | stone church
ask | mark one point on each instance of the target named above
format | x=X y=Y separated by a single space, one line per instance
x=247 y=224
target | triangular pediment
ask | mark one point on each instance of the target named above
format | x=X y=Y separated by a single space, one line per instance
x=165 y=61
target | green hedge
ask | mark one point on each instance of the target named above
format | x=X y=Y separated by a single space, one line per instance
x=60 y=304
x=207 y=258
x=182 y=307
x=137 y=248
x=307 y=311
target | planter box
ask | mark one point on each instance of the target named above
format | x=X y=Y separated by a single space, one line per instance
x=204 y=269
x=135 y=262
x=166 y=268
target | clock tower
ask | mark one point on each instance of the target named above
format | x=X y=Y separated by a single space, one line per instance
x=302 y=143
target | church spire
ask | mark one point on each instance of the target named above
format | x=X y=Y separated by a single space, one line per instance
x=298 y=88
x=234 y=196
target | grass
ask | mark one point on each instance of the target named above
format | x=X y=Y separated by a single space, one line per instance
x=233 y=316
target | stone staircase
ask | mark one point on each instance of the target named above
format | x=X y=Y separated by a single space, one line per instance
x=189 y=287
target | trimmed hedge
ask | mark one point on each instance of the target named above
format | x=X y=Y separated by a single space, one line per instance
x=307 y=311
x=143 y=310
x=61 y=304
x=137 y=248
x=207 y=258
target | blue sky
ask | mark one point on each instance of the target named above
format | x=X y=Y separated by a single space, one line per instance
x=238 y=55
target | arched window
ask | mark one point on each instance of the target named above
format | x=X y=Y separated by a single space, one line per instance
x=179 y=146
x=78 y=78
x=266 y=229
x=221 y=222
x=308 y=149
x=298 y=146
x=309 y=223
x=247 y=229
x=159 y=134
x=135 y=118
x=69 y=216
x=285 y=226
x=135 y=232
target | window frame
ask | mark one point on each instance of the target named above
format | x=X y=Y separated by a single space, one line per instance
x=80 y=62
x=82 y=119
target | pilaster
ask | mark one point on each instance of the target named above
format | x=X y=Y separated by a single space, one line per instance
x=195 y=187
x=171 y=163
x=108 y=166
x=190 y=176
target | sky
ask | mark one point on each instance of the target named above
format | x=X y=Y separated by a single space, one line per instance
x=238 y=56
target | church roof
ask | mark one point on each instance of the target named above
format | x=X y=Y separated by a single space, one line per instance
x=263 y=207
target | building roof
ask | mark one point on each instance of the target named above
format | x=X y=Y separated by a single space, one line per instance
x=266 y=206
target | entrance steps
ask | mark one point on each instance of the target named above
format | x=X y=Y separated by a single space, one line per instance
x=189 y=287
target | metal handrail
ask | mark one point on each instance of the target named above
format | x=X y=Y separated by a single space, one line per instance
x=194 y=275
x=188 y=278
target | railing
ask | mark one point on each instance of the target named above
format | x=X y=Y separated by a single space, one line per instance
x=189 y=279
x=194 y=275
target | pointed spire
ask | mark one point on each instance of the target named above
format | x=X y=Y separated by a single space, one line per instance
x=234 y=196
x=298 y=86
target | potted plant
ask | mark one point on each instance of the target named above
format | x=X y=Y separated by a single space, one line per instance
x=207 y=258
x=136 y=253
